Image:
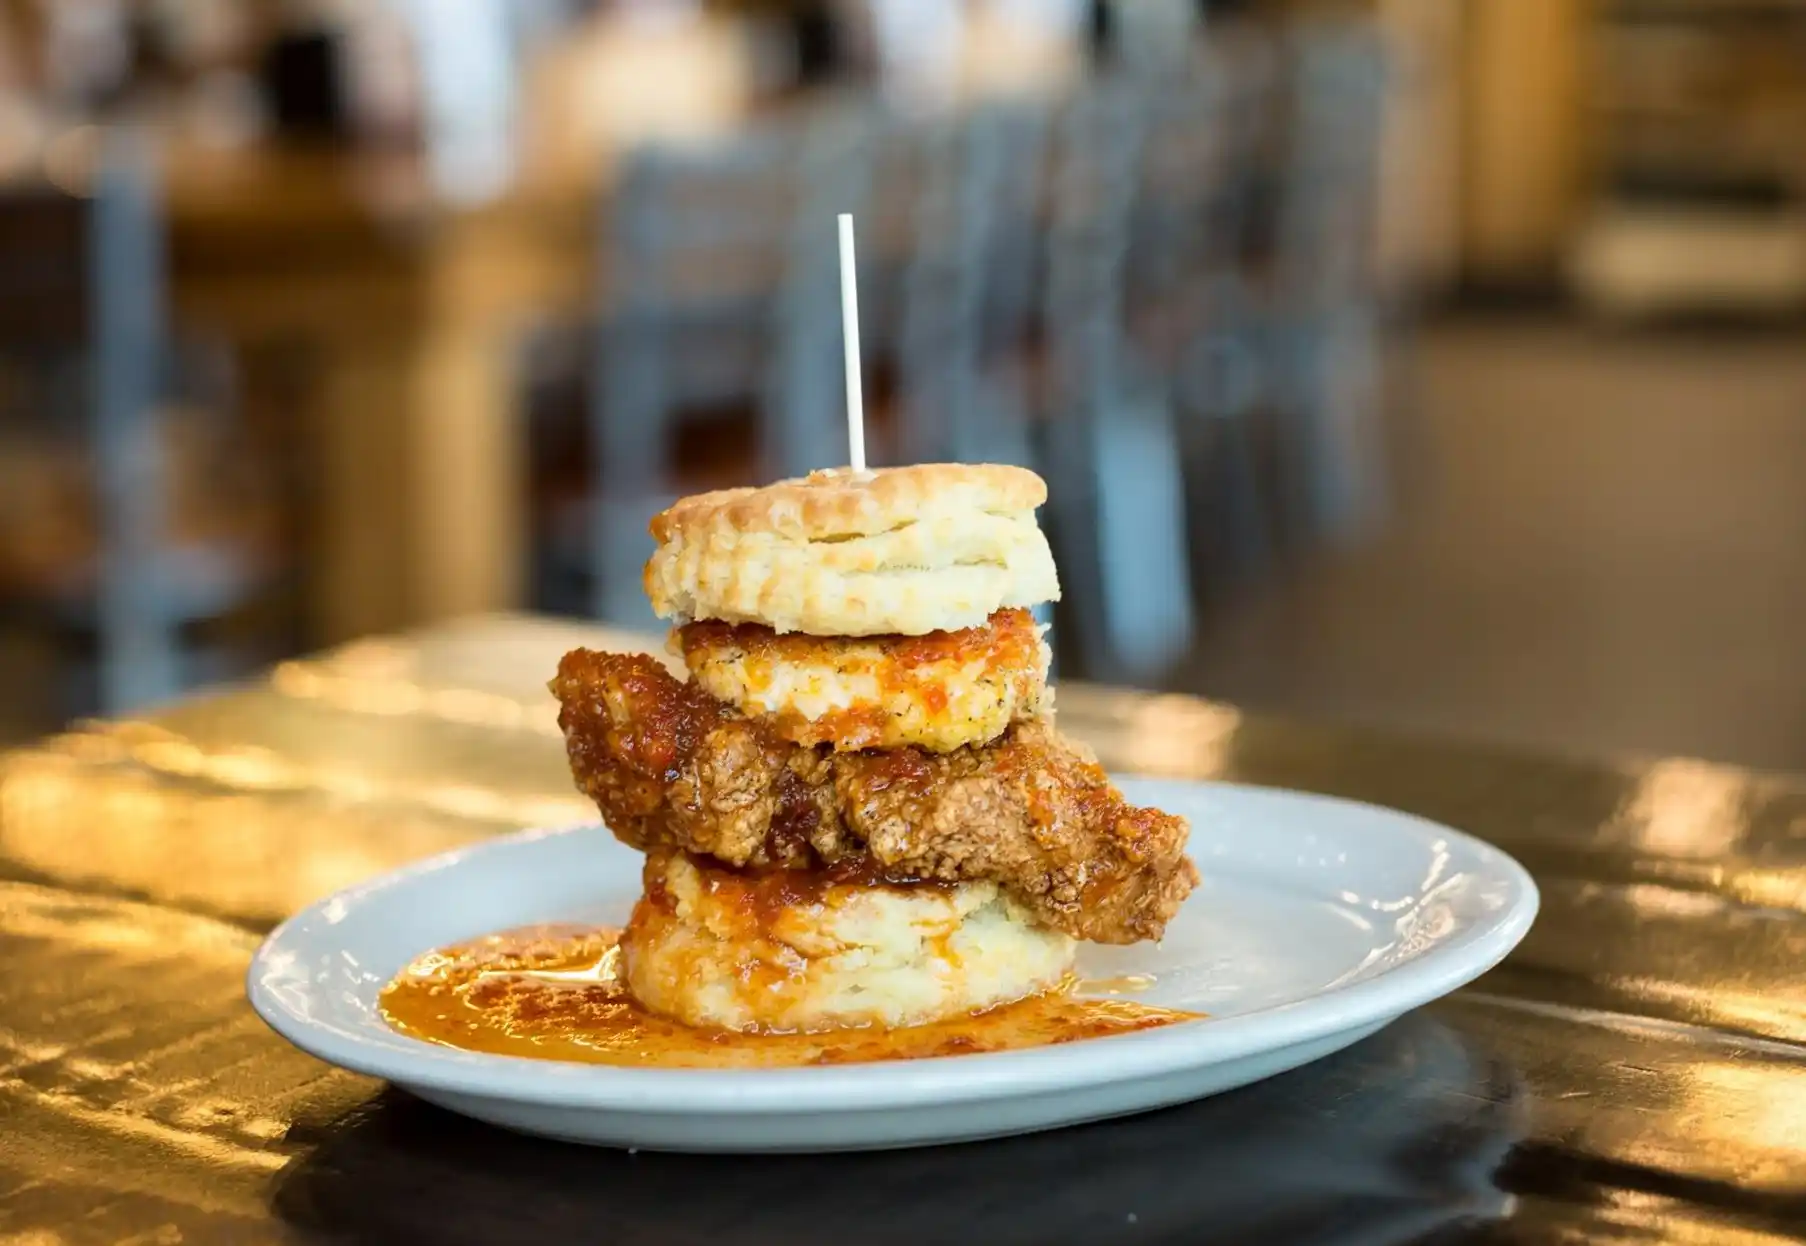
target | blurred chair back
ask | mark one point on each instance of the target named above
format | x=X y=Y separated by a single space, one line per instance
x=694 y=246
x=1210 y=156
x=1156 y=292
x=1325 y=297
x=82 y=295
x=1334 y=82
x=1116 y=498
x=719 y=287
x=1207 y=131
x=802 y=421
x=968 y=284
x=1276 y=369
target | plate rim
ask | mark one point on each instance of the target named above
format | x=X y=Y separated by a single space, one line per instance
x=889 y=1085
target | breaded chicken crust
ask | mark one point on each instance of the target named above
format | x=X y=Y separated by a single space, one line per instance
x=938 y=692
x=670 y=767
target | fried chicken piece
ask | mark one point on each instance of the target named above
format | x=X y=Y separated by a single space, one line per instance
x=1032 y=811
x=669 y=766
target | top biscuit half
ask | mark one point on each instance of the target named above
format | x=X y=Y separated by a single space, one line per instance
x=904 y=550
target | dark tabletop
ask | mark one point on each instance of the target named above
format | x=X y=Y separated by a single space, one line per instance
x=1635 y=1072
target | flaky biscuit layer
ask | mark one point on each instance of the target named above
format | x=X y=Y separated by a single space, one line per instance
x=906 y=550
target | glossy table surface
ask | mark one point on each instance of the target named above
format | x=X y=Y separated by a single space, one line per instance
x=1635 y=1072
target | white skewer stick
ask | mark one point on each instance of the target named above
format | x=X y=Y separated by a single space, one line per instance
x=849 y=324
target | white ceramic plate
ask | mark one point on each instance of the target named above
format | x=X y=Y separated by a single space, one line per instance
x=1318 y=922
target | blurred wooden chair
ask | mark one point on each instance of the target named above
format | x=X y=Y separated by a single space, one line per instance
x=802 y=421
x=1209 y=147
x=91 y=550
x=967 y=286
x=1116 y=497
x=719 y=288
x=1323 y=294
x=1256 y=242
x=693 y=253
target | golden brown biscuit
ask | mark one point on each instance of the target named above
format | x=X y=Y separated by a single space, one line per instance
x=904 y=550
x=838 y=501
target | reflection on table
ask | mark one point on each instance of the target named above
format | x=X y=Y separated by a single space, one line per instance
x=1631 y=1070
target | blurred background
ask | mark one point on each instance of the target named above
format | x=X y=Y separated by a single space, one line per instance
x=1425 y=363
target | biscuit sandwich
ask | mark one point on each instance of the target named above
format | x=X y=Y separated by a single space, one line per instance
x=856 y=811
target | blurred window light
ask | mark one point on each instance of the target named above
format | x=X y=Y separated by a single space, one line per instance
x=205 y=31
x=917 y=44
x=467 y=75
x=71 y=159
x=1154 y=31
x=88 y=50
x=21 y=131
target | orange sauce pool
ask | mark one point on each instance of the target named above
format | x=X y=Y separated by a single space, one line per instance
x=553 y=993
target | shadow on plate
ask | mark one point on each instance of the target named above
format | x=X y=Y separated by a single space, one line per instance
x=1393 y=1139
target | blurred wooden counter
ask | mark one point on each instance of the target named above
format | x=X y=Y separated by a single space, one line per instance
x=405 y=316
x=408 y=309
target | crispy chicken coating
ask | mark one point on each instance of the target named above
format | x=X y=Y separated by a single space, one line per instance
x=671 y=767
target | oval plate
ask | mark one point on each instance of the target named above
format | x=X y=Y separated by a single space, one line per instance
x=1318 y=921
